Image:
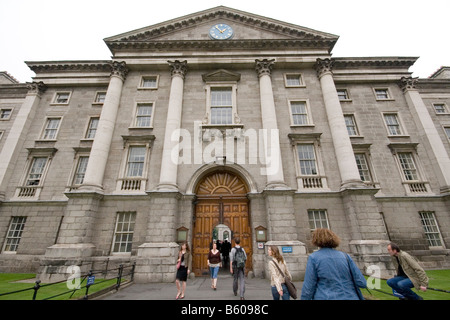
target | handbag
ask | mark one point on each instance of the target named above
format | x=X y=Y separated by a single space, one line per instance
x=289 y=284
x=358 y=291
x=179 y=262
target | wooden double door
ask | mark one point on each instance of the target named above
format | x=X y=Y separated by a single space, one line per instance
x=221 y=200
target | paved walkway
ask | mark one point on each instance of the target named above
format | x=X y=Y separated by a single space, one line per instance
x=196 y=289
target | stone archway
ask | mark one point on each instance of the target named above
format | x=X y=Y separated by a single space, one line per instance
x=221 y=200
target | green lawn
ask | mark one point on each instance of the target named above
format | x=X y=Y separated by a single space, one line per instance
x=439 y=279
x=8 y=284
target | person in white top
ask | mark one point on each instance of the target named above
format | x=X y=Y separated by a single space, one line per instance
x=277 y=283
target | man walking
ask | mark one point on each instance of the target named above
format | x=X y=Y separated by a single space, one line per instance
x=238 y=257
x=409 y=274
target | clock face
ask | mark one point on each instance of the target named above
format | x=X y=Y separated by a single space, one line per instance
x=221 y=31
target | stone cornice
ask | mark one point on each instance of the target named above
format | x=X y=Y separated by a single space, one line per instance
x=70 y=66
x=375 y=62
x=246 y=44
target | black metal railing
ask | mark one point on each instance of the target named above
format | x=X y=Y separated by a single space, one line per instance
x=121 y=274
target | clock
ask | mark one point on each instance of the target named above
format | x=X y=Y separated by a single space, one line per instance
x=221 y=31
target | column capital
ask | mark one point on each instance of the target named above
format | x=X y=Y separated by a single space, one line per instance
x=324 y=66
x=264 y=67
x=119 y=69
x=407 y=83
x=36 y=87
x=178 y=68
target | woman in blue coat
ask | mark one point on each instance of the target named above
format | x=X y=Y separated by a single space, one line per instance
x=329 y=271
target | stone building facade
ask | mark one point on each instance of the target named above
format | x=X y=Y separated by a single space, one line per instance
x=222 y=124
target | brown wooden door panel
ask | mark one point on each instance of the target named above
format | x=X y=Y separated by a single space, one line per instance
x=225 y=193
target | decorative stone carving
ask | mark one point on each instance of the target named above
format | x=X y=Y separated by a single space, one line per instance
x=119 y=69
x=407 y=83
x=324 y=66
x=36 y=87
x=178 y=68
x=264 y=67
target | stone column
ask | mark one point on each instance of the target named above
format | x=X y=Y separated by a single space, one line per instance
x=19 y=129
x=424 y=122
x=98 y=157
x=272 y=151
x=345 y=156
x=169 y=163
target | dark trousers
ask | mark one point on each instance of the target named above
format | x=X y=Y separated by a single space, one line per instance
x=239 y=281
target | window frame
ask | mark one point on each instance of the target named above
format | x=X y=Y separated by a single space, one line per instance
x=312 y=219
x=96 y=98
x=445 y=108
x=388 y=94
x=136 y=116
x=234 y=109
x=299 y=76
x=55 y=98
x=128 y=242
x=428 y=234
x=11 y=109
x=355 y=125
x=45 y=128
x=14 y=231
x=347 y=95
x=401 y=127
x=308 y=114
x=146 y=77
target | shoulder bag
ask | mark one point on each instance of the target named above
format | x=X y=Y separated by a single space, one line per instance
x=289 y=284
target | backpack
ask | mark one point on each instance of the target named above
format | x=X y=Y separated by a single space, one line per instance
x=240 y=258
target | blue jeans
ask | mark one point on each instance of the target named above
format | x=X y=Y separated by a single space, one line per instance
x=403 y=286
x=276 y=294
x=214 y=271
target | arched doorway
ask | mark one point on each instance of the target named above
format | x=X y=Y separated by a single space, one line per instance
x=221 y=202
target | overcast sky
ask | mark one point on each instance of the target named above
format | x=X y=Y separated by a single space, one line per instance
x=52 y=30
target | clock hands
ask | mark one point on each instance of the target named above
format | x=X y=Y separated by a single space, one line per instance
x=221 y=31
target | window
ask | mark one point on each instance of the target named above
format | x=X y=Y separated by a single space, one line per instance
x=221 y=106
x=14 y=234
x=440 y=108
x=100 y=97
x=307 y=159
x=446 y=129
x=392 y=124
x=5 y=114
x=136 y=160
x=431 y=229
x=144 y=114
x=61 y=98
x=149 y=82
x=36 y=171
x=293 y=80
x=382 y=94
x=351 y=125
x=123 y=233
x=363 y=168
x=80 y=170
x=343 y=94
x=408 y=166
x=51 y=129
x=299 y=112
x=317 y=219
x=92 y=128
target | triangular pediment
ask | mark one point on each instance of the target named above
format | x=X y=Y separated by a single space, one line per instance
x=221 y=75
x=194 y=28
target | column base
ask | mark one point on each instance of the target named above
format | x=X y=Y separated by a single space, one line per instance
x=353 y=184
x=372 y=258
x=156 y=262
x=294 y=255
x=167 y=187
x=59 y=257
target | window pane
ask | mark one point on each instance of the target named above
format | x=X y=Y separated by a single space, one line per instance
x=363 y=168
x=123 y=235
x=36 y=170
x=307 y=159
x=81 y=170
x=221 y=97
x=144 y=115
x=408 y=166
x=299 y=112
x=136 y=158
x=221 y=115
x=431 y=229
x=14 y=233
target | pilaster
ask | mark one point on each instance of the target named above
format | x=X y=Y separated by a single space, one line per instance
x=93 y=180
x=345 y=156
x=19 y=130
x=424 y=121
x=272 y=151
x=169 y=164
